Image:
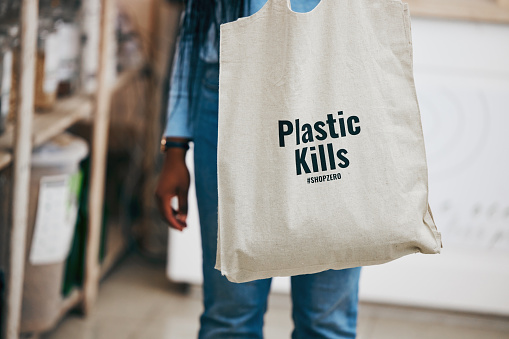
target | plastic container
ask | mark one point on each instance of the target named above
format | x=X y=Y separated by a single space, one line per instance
x=54 y=190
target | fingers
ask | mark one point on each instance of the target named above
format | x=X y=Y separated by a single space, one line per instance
x=169 y=213
x=182 y=211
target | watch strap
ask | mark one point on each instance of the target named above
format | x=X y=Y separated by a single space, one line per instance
x=166 y=144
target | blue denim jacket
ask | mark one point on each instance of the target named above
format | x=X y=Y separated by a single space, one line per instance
x=177 y=124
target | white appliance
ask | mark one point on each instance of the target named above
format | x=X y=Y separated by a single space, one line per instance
x=462 y=80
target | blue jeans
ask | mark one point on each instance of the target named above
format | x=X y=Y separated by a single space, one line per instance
x=324 y=304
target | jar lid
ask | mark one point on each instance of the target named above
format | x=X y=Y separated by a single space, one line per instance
x=63 y=150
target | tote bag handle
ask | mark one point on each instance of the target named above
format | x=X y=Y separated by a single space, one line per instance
x=286 y=6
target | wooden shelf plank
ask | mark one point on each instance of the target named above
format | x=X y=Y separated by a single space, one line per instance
x=495 y=11
x=73 y=299
x=66 y=113
x=49 y=124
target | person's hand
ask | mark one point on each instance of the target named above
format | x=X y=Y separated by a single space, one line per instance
x=173 y=181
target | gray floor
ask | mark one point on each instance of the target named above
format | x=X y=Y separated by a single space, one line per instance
x=137 y=302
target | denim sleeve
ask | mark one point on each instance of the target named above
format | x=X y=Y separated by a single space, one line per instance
x=178 y=123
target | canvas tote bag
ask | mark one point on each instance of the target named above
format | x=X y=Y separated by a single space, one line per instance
x=321 y=160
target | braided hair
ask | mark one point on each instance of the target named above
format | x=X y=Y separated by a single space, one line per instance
x=199 y=17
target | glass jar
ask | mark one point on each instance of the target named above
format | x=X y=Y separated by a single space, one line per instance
x=89 y=63
x=48 y=61
x=5 y=79
x=8 y=42
x=69 y=36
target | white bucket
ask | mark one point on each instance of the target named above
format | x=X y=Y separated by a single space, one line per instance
x=53 y=208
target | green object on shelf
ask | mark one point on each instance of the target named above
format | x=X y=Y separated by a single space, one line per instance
x=75 y=266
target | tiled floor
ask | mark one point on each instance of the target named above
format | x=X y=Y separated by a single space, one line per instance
x=137 y=302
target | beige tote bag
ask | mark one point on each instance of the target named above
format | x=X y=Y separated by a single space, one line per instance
x=321 y=160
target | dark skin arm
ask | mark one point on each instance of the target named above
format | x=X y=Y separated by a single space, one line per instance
x=174 y=181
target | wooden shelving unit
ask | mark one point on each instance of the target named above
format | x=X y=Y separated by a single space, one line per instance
x=33 y=129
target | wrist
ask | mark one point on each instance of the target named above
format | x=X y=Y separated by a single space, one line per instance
x=170 y=143
x=174 y=157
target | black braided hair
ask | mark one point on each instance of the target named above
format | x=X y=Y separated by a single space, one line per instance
x=197 y=20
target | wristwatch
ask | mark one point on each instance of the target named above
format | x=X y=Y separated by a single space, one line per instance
x=165 y=144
